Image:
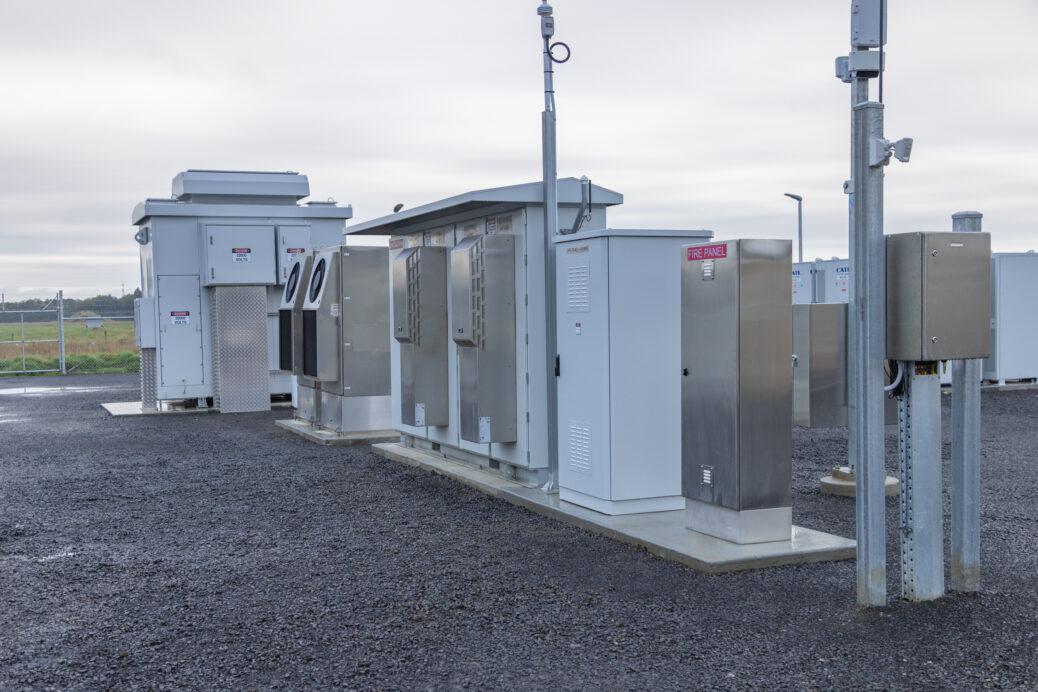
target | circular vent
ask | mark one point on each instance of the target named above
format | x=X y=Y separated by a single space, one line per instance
x=293 y=283
x=317 y=280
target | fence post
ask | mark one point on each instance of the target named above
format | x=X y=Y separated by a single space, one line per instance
x=61 y=331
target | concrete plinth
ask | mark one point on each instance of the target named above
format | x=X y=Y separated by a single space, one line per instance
x=328 y=437
x=121 y=409
x=843 y=482
x=661 y=533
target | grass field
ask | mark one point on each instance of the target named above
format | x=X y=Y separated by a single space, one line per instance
x=109 y=348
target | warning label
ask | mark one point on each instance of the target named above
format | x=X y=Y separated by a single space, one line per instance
x=702 y=252
x=242 y=254
x=396 y=243
x=180 y=318
x=296 y=250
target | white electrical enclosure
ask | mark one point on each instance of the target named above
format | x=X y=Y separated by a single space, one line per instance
x=803 y=283
x=832 y=281
x=424 y=280
x=618 y=321
x=822 y=281
x=212 y=261
x=1014 y=317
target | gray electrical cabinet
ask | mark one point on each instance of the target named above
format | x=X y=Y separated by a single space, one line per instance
x=420 y=326
x=483 y=327
x=736 y=394
x=445 y=381
x=290 y=316
x=820 y=365
x=344 y=383
x=938 y=296
x=322 y=355
x=1014 y=317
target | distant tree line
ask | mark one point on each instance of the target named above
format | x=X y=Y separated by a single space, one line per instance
x=104 y=306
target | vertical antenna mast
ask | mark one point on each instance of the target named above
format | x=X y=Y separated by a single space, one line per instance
x=551 y=229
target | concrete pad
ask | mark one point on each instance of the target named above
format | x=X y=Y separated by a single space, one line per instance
x=327 y=437
x=120 y=409
x=661 y=533
x=843 y=483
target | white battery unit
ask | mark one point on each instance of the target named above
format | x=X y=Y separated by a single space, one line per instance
x=832 y=281
x=618 y=315
x=803 y=283
x=222 y=230
x=1014 y=317
x=423 y=297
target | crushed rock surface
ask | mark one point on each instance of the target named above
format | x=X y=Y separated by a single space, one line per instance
x=215 y=551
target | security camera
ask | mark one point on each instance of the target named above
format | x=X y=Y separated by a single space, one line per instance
x=903 y=149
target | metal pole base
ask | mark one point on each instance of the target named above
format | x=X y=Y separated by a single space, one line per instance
x=922 y=509
x=843 y=482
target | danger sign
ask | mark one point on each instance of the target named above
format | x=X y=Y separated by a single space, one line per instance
x=242 y=254
x=180 y=318
x=703 y=252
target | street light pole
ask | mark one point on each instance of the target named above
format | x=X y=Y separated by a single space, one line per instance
x=800 y=225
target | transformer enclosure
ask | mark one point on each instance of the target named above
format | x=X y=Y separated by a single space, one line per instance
x=618 y=316
x=938 y=296
x=736 y=398
x=206 y=254
x=459 y=383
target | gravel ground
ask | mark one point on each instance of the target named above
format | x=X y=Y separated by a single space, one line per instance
x=208 y=551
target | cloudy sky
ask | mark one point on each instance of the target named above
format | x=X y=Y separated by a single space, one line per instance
x=702 y=113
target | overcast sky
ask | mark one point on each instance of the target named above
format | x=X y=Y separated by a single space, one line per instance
x=702 y=113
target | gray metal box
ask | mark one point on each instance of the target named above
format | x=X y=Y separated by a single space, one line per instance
x=820 y=365
x=293 y=244
x=868 y=23
x=322 y=355
x=736 y=399
x=290 y=316
x=419 y=276
x=238 y=255
x=365 y=321
x=938 y=296
x=144 y=322
x=483 y=327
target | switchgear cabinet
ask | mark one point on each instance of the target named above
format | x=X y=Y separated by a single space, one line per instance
x=478 y=396
x=213 y=259
x=618 y=316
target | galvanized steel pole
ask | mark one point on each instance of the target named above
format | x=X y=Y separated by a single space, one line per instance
x=859 y=94
x=61 y=331
x=866 y=353
x=551 y=229
x=919 y=445
x=965 y=454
